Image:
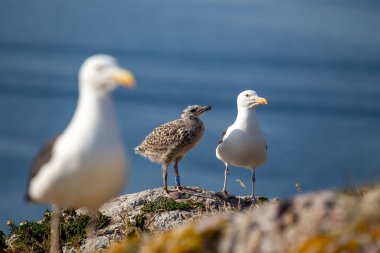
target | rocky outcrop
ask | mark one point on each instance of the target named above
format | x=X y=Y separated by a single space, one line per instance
x=152 y=211
x=318 y=222
x=199 y=202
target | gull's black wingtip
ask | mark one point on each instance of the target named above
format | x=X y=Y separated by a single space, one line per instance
x=27 y=198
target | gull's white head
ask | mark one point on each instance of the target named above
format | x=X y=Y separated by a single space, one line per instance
x=250 y=99
x=102 y=73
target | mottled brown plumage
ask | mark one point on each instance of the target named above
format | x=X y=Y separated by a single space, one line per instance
x=171 y=141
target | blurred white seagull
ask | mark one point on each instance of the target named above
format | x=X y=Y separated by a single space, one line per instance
x=243 y=143
x=86 y=165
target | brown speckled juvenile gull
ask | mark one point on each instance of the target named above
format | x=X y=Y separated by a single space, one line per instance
x=171 y=141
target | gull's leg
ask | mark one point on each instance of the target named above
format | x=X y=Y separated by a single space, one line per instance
x=91 y=229
x=226 y=172
x=177 y=178
x=54 y=243
x=165 y=177
x=253 y=179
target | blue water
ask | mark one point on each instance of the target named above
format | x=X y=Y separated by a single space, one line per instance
x=317 y=63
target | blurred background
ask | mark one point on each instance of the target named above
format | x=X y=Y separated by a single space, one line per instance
x=316 y=62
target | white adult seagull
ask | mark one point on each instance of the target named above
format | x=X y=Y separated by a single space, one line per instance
x=243 y=143
x=86 y=165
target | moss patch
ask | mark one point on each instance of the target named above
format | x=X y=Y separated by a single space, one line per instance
x=162 y=204
x=166 y=204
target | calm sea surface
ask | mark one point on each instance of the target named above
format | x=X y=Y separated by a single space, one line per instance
x=316 y=62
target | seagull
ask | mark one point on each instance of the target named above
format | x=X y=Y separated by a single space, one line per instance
x=171 y=141
x=85 y=165
x=243 y=143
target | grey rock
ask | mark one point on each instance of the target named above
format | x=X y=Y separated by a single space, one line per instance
x=125 y=209
x=326 y=221
x=101 y=242
x=69 y=250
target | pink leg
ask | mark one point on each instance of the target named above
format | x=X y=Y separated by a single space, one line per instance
x=176 y=172
x=54 y=243
x=165 y=176
x=226 y=172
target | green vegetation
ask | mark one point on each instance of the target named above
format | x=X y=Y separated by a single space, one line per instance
x=3 y=245
x=261 y=200
x=299 y=187
x=31 y=236
x=168 y=204
x=35 y=236
x=140 y=221
x=162 y=204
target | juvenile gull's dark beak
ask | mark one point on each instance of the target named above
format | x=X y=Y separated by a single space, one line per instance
x=203 y=109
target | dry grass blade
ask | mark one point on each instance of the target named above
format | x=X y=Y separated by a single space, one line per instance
x=299 y=187
x=241 y=183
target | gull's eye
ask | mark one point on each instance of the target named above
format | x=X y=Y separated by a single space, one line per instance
x=193 y=110
x=100 y=67
x=246 y=95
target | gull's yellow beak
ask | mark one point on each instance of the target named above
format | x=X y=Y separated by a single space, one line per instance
x=125 y=78
x=261 y=100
